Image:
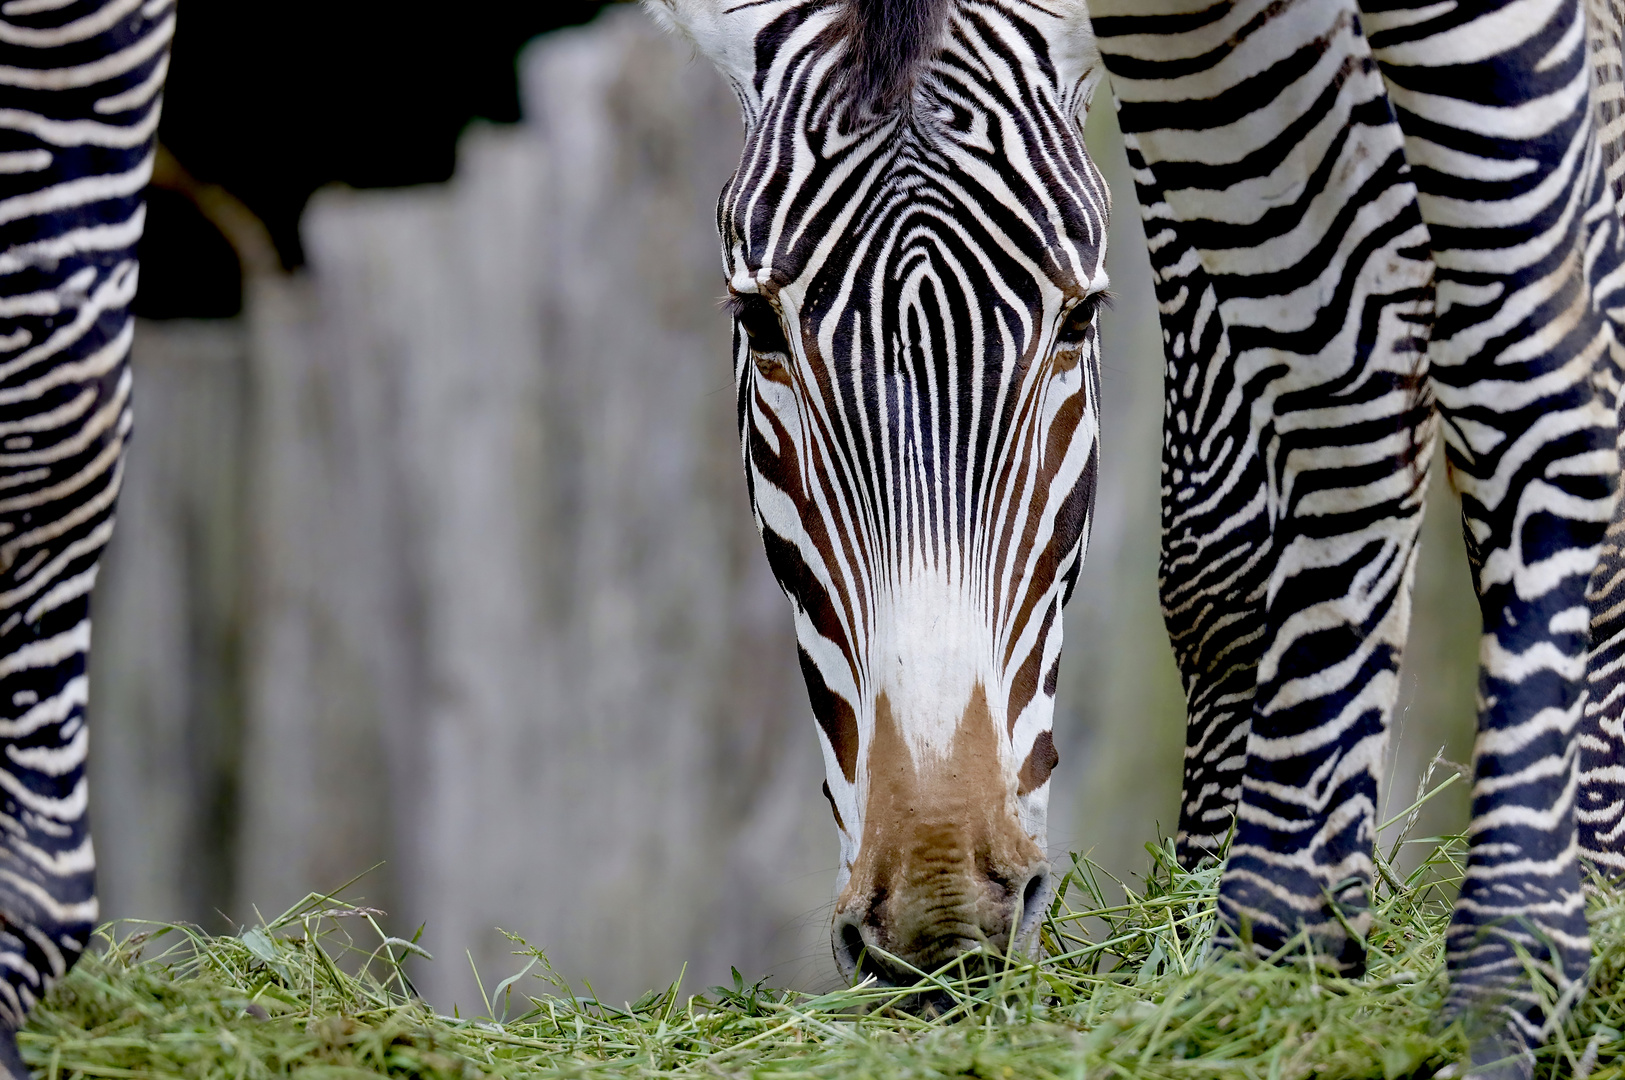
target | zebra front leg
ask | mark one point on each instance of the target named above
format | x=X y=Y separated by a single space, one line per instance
x=1521 y=912
x=1600 y=807
x=1524 y=235
x=56 y=515
x=81 y=85
x=66 y=424
x=1295 y=434
x=1216 y=546
x=1300 y=867
x=1531 y=541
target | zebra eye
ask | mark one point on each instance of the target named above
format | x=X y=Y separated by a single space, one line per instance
x=761 y=325
x=1076 y=324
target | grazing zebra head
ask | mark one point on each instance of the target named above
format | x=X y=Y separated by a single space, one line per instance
x=914 y=245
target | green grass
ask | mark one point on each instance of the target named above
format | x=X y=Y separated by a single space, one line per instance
x=1123 y=991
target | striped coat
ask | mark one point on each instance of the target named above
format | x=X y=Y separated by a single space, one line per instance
x=80 y=87
x=1368 y=226
x=1374 y=228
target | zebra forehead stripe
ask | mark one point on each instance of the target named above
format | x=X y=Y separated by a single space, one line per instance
x=889 y=41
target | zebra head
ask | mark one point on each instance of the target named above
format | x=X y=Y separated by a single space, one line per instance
x=914 y=245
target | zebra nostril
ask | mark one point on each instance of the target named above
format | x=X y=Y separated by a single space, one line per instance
x=852 y=945
x=1035 y=898
x=852 y=954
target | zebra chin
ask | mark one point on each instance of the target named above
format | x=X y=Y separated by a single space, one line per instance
x=946 y=869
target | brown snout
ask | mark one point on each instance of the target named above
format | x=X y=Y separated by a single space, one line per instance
x=944 y=866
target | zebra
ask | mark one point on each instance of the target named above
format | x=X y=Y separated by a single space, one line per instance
x=1368 y=224
x=1373 y=226
x=81 y=84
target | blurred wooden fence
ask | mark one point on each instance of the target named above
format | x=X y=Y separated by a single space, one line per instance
x=440 y=557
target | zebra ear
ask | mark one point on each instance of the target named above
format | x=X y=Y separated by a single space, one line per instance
x=725 y=37
x=1075 y=52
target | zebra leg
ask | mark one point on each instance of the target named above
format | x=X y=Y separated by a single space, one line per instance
x=1295 y=293
x=1600 y=806
x=1524 y=235
x=81 y=84
x=1298 y=876
x=1216 y=548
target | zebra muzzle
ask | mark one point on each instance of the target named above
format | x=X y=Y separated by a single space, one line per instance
x=945 y=868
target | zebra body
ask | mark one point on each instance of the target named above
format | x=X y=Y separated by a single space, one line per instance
x=1370 y=224
x=1366 y=224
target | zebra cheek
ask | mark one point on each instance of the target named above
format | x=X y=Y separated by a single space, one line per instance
x=1032 y=785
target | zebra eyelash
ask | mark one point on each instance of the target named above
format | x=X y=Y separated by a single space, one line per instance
x=760 y=320
x=1104 y=300
x=1081 y=316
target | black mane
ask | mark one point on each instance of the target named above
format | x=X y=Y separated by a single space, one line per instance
x=890 y=40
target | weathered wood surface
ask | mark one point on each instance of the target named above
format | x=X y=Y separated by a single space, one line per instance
x=167 y=661
x=442 y=559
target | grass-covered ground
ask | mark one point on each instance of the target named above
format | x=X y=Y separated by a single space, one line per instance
x=1122 y=992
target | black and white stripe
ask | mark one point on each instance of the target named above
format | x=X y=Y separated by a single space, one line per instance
x=917 y=370
x=1290 y=265
x=932 y=434
x=1600 y=812
x=80 y=86
x=1402 y=142
x=1370 y=223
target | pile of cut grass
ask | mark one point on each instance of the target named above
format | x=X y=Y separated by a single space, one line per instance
x=1123 y=990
